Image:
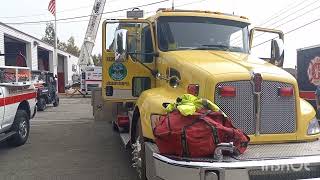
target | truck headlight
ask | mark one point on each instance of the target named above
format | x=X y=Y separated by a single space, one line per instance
x=313 y=127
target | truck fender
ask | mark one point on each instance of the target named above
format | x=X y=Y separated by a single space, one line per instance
x=150 y=102
x=24 y=105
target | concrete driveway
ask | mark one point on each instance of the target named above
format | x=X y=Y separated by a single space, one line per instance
x=66 y=143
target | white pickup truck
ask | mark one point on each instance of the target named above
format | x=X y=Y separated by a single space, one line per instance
x=17 y=104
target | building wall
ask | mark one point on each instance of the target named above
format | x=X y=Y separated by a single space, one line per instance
x=72 y=61
x=32 y=51
x=1 y=47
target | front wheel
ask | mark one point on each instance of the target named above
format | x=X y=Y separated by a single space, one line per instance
x=42 y=104
x=21 y=126
x=139 y=155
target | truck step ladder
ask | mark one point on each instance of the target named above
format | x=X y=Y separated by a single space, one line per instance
x=125 y=137
x=6 y=136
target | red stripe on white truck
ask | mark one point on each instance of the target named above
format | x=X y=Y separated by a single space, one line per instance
x=17 y=98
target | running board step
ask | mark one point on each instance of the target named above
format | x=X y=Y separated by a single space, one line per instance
x=125 y=138
x=4 y=137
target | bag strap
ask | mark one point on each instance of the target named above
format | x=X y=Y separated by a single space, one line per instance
x=213 y=128
x=185 y=149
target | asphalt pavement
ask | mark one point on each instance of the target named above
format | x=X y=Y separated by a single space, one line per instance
x=65 y=143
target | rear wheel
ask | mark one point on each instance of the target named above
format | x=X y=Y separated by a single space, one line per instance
x=56 y=101
x=21 y=126
x=42 y=104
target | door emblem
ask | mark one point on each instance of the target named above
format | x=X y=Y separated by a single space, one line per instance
x=117 y=71
x=314 y=71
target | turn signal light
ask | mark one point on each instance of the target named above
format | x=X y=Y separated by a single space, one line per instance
x=285 y=91
x=193 y=89
x=227 y=91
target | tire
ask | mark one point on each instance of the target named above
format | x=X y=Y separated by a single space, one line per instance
x=20 y=125
x=139 y=135
x=115 y=127
x=42 y=104
x=56 y=102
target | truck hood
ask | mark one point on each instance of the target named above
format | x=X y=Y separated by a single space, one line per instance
x=222 y=62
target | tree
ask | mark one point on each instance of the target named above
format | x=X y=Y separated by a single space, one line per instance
x=49 y=34
x=97 y=60
x=72 y=48
x=69 y=47
x=62 y=46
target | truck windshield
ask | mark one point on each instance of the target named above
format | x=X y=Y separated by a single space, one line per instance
x=202 y=33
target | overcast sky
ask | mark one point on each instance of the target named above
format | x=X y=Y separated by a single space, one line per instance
x=258 y=12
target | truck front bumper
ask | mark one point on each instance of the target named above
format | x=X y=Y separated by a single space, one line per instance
x=285 y=161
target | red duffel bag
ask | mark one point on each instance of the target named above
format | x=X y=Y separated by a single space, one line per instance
x=197 y=135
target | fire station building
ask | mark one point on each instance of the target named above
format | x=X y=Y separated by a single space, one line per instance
x=39 y=55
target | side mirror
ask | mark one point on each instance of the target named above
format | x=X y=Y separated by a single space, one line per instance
x=277 y=52
x=277 y=44
x=120 y=45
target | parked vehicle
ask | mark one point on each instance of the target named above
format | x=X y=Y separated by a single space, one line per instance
x=17 y=104
x=46 y=89
x=308 y=72
x=149 y=62
x=91 y=77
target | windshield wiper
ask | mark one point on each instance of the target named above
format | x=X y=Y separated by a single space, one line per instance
x=207 y=47
x=215 y=47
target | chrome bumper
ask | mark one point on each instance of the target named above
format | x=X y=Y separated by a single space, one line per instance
x=162 y=167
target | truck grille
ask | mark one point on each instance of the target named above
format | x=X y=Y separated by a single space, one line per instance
x=277 y=113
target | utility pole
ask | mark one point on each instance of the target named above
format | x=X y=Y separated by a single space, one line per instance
x=172 y=5
x=55 y=39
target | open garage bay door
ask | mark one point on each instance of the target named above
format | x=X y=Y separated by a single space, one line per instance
x=43 y=59
x=12 y=48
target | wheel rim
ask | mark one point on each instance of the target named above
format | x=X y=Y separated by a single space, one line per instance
x=23 y=129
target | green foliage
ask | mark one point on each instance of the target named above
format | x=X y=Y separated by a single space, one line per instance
x=69 y=47
x=97 y=60
x=49 y=34
x=72 y=48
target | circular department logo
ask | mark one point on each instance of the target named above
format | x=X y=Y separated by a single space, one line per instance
x=117 y=71
x=314 y=71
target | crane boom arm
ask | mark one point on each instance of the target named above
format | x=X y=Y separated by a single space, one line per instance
x=85 y=58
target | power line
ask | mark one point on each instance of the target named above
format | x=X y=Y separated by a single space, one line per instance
x=293 y=19
x=294 y=12
x=116 y=17
x=78 y=17
x=286 y=22
x=282 y=11
x=33 y=15
x=58 y=12
x=292 y=30
x=181 y=5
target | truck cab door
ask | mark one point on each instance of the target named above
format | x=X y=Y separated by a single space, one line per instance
x=128 y=59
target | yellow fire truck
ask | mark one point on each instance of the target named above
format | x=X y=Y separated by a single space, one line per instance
x=149 y=62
